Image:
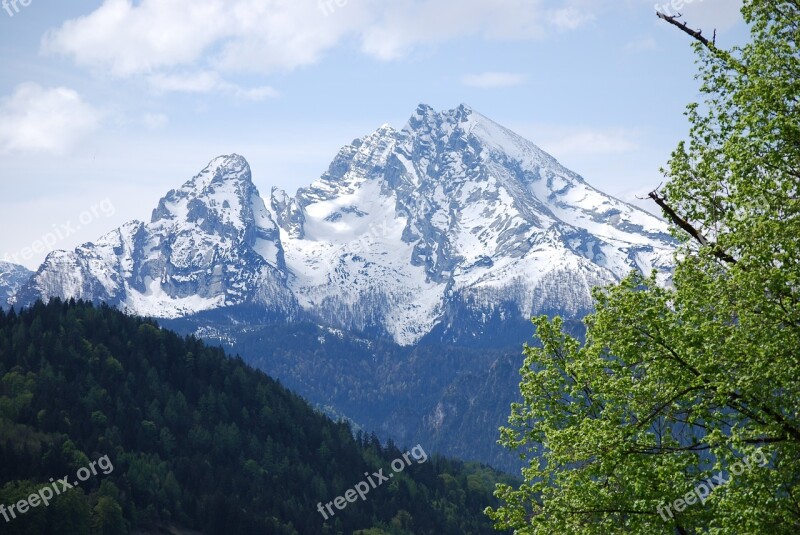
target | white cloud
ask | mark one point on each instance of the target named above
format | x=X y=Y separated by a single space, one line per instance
x=491 y=80
x=207 y=82
x=254 y=94
x=569 y=18
x=641 y=45
x=196 y=82
x=156 y=36
x=44 y=120
x=131 y=39
x=404 y=24
x=155 y=121
x=564 y=143
x=244 y=35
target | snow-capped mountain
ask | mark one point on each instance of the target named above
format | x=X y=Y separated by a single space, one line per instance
x=208 y=245
x=451 y=221
x=455 y=213
x=12 y=277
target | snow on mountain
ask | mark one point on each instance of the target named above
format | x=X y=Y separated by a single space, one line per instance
x=455 y=211
x=453 y=216
x=12 y=277
x=209 y=244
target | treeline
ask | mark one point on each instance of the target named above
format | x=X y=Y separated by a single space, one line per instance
x=197 y=440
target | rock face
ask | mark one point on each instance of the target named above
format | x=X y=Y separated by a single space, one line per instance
x=443 y=228
x=12 y=278
x=210 y=244
x=455 y=217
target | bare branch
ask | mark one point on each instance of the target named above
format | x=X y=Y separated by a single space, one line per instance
x=697 y=34
x=693 y=232
x=710 y=45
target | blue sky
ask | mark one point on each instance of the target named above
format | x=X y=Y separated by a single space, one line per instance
x=112 y=103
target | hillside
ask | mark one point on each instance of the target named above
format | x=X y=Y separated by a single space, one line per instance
x=196 y=440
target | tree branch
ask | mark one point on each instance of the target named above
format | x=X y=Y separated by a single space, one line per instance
x=678 y=220
x=710 y=45
x=697 y=34
x=693 y=232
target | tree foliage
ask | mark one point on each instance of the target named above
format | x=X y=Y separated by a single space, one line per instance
x=674 y=386
x=197 y=440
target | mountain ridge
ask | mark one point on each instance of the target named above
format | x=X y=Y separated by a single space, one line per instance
x=12 y=278
x=407 y=230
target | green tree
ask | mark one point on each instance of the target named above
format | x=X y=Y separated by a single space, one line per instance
x=30 y=522
x=676 y=385
x=70 y=513
x=107 y=518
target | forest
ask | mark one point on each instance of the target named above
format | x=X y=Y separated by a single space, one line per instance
x=198 y=440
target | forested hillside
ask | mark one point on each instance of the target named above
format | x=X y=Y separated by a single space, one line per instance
x=197 y=440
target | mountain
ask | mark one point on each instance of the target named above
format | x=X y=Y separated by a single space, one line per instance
x=440 y=231
x=12 y=278
x=209 y=244
x=396 y=289
x=178 y=436
x=452 y=220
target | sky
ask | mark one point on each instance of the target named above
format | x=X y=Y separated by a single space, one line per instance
x=106 y=105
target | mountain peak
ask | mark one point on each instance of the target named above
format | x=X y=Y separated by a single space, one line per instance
x=425 y=118
x=225 y=187
x=423 y=109
x=226 y=167
x=464 y=111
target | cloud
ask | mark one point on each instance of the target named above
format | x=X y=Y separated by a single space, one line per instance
x=254 y=94
x=207 y=82
x=158 y=36
x=491 y=80
x=152 y=36
x=131 y=39
x=401 y=25
x=641 y=45
x=581 y=141
x=155 y=121
x=196 y=82
x=569 y=18
x=45 y=120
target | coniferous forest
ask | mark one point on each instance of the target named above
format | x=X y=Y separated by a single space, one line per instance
x=198 y=441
